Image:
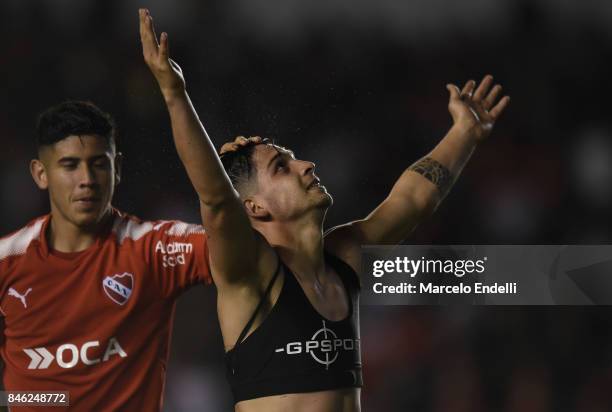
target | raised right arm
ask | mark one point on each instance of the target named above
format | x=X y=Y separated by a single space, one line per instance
x=237 y=251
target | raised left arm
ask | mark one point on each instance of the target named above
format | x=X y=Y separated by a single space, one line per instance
x=421 y=188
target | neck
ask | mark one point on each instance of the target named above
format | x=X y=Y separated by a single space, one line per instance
x=65 y=236
x=298 y=243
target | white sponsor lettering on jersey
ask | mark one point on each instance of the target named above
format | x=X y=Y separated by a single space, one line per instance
x=68 y=355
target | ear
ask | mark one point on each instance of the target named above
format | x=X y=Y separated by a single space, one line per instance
x=118 y=167
x=256 y=211
x=37 y=169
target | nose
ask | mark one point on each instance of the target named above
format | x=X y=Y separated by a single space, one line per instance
x=87 y=176
x=307 y=167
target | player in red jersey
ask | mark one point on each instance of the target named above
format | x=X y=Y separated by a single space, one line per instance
x=288 y=302
x=87 y=293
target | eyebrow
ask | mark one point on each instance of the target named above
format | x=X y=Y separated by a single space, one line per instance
x=280 y=152
x=67 y=159
x=274 y=158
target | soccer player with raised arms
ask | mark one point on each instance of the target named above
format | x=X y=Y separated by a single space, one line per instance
x=87 y=292
x=288 y=293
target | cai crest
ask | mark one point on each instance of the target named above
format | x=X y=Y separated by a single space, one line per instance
x=119 y=287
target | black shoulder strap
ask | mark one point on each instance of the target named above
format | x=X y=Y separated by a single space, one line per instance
x=258 y=308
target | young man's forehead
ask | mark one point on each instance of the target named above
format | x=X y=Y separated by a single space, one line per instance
x=77 y=146
x=271 y=149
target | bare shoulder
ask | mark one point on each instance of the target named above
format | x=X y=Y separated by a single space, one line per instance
x=237 y=301
x=255 y=277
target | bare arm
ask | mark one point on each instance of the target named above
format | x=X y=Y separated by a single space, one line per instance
x=423 y=186
x=223 y=215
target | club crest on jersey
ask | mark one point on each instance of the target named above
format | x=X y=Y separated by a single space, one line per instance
x=119 y=287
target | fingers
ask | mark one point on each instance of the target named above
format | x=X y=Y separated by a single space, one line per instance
x=228 y=147
x=454 y=91
x=488 y=102
x=151 y=28
x=238 y=143
x=241 y=140
x=164 y=52
x=499 y=107
x=141 y=19
x=147 y=35
x=483 y=88
x=484 y=97
x=468 y=89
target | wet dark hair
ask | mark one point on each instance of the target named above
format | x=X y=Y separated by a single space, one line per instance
x=238 y=164
x=76 y=118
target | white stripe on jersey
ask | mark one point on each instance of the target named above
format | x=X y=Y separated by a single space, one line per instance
x=128 y=228
x=184 y=229
x=18 y=243
x=134 y=230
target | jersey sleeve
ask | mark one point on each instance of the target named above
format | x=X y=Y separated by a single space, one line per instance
x=2 y=343
x=179 y=256
x=2 y=338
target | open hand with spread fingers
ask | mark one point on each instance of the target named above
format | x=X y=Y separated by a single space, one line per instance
x=476 y=109
x=168 y=74
x=239 y=142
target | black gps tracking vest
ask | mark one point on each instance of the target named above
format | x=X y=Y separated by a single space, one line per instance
x=295 y=349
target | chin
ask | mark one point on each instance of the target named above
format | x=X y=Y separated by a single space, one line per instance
x=86 y=221
x=88 y=218
x=325 y=201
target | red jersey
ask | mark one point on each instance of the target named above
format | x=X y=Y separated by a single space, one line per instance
x=96 y=323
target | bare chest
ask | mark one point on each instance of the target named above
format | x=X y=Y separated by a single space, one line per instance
x=328 y=296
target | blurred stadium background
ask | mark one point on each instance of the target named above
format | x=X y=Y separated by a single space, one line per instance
x=358 y=87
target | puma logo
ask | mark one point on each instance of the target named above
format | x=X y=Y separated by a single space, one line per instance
x=22 y=298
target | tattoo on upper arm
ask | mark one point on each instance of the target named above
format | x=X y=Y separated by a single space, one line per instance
x=435 y=172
